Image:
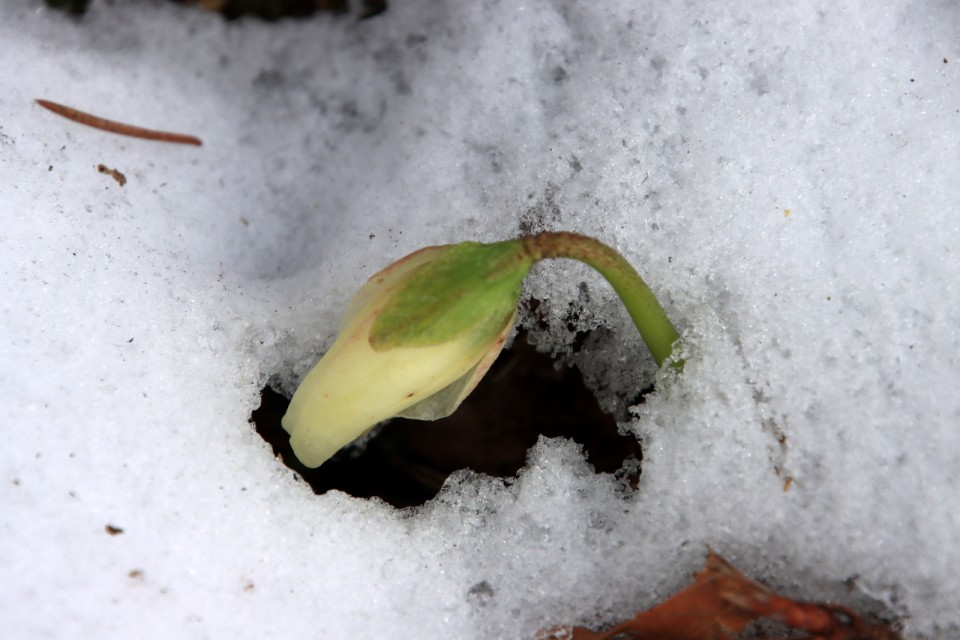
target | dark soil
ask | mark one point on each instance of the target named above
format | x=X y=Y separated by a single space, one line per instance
x=523 y=396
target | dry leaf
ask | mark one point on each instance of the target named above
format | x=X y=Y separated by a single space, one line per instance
x=720 y=603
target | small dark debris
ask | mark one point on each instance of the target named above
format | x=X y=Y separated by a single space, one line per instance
x=135 y=574
x=113 y=173
x=543 y=214
x=481 y=593
x=112 y=530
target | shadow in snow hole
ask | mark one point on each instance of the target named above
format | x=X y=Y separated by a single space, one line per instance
x=521 y=397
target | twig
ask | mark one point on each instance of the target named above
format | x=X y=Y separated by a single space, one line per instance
x=117 y=127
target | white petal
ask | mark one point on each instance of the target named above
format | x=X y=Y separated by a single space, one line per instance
x=353 y=388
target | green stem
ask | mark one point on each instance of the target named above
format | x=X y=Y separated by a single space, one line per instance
x=655 y=327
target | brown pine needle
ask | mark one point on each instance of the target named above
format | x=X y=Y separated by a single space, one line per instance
x=117 y=127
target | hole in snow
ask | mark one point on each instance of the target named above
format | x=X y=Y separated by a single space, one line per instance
x=523 y=396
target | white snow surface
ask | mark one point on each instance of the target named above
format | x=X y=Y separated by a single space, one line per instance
x=786 y=179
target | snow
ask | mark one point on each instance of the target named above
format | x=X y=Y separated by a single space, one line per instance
x=785 y=179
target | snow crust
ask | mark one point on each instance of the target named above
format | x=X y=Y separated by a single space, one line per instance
x=786 y=179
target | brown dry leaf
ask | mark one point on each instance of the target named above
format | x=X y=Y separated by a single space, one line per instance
x=699 y=612
x=720 y=603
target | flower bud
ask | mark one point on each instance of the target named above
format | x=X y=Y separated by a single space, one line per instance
x=414 y=342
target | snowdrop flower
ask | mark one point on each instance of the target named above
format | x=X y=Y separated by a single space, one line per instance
x=414 y=342
x=421 y=333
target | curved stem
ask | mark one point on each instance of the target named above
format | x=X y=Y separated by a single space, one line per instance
x=655 y=328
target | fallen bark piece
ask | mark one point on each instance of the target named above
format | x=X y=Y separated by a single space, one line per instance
x=720 y=603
